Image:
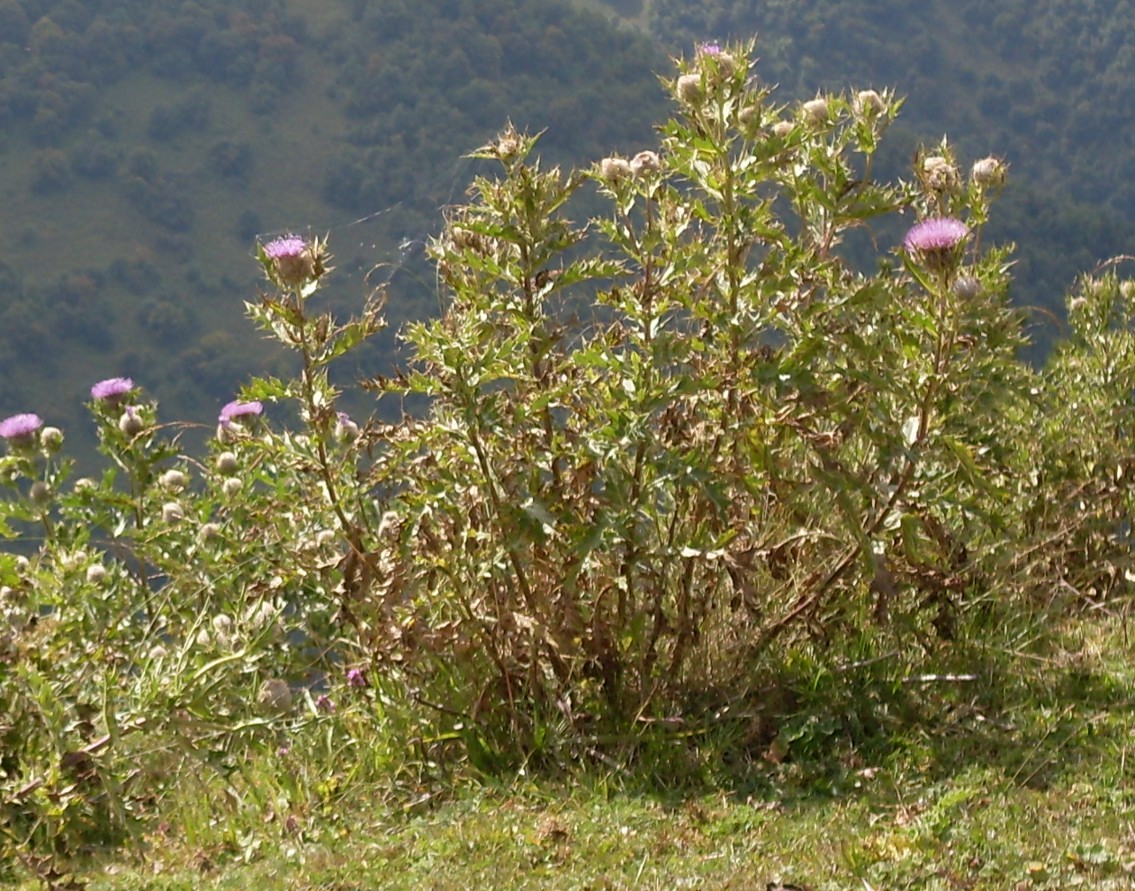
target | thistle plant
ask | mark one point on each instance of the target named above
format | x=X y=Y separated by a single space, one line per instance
x=749 y=446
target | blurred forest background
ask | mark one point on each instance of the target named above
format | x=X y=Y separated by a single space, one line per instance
x=146 y=145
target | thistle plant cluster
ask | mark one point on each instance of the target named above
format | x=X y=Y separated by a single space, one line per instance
x=669 y=453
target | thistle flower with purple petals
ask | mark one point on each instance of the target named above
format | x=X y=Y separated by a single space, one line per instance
x=356 y=678
x=936 y=240
x=709 y=48
x=293 y=262
x=237 y=409
x=112 y=390
x=20 y=430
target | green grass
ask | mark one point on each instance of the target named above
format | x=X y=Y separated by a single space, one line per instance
x=1021 y=784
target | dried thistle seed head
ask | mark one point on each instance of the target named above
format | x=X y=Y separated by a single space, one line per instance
x=613 y=168
x=688 y=89
x=939 y=173
x=988 y=173
x=816 y=110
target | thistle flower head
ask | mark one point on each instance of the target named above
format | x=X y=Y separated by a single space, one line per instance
x=238 y=409
x=112 y=390
x=935 y=235
x=20 y=430
x=356 y=678
x=294 y=262
x=935 y=241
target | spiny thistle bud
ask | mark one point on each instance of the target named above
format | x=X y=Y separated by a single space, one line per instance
x=346 y=430
x=614 y=168
x=689 y=89
x=939 y=174
x=51 y=439
x=40 y=493
x=172 y=512
x=967 y=287
x=644 y=163
x=781 y=129
x=868 y=103
x=724 y=62
x=96 y=573
x=988 y=173
x=816 y=110
x=130 y=422
x=227 y=463
x=209 y=532
x=275 y=694
x=174 y=480
x=232 y=486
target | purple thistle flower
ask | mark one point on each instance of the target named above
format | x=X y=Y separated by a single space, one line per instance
x=709 y=48
x=325 y=704
x=238 y=409
x=935 y=235
x=20 y=430
x=356 y=678
x=286 y=247
x=112 y=390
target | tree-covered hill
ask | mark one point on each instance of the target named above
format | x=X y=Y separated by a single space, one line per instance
x=146 y=145
x=1049 y=86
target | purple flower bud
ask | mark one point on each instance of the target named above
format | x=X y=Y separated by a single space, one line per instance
x=20 y=430
x=325 y=704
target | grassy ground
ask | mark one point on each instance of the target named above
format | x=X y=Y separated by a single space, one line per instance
x=1026 y=789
